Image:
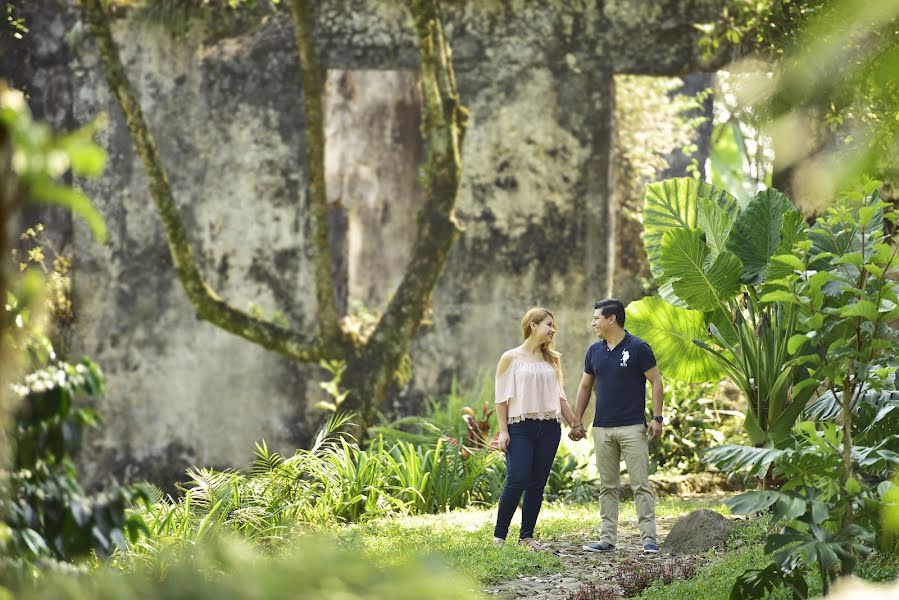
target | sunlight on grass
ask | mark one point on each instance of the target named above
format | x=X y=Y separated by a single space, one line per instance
x=462 y=538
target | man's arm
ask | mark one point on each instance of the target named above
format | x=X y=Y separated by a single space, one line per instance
x=655 y=379
x=584 y=391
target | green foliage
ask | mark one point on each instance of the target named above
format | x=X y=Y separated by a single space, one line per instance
x=47 y=515
x=697 y=419
x=449 y=417
x=40 y=158
x=475 y=432
x=569 y=479
x=811 y=316
x=643 y=148
x=744 y=553
x=335 y=481
x=14 y=23
x=673 y=205
x=835 y=69
x=739 y=158
x=227 y=570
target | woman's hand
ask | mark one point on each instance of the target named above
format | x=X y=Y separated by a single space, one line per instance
x=502 y=441
x=577 y=433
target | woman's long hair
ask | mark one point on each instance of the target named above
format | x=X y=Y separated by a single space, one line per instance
x=536 y=316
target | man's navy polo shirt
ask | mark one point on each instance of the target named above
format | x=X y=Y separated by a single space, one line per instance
x=620 y=380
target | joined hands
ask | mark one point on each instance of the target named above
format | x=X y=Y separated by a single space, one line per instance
x=577 y=433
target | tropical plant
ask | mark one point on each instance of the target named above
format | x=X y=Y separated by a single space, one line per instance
x=452 y=416
x=842 y=284
x=569 y=479
x=711 y=258
x=334 y=481
x=809 y=505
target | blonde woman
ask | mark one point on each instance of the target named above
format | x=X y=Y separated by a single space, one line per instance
x=530 y=405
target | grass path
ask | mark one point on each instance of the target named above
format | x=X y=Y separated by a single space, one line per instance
x=462 y=538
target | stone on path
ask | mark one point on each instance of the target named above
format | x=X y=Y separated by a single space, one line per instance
x=699 y=531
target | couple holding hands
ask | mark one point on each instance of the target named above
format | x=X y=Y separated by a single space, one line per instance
x=531 y=403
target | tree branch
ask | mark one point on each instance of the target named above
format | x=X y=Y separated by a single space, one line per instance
x=210 y=307
x=443 y=128
x=329 y=329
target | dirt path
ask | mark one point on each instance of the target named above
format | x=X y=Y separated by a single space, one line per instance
x=582 y=566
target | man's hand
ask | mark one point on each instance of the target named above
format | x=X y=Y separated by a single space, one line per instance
x=577 y=433
x=655 y=429
x=502 y=441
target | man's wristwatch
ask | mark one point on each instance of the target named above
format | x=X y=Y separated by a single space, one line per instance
x=657 y=419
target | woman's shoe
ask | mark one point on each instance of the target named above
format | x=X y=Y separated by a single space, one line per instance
x=498 y=542
x=533 y=544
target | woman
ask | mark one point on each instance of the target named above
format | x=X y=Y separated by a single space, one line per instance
x=530 y=404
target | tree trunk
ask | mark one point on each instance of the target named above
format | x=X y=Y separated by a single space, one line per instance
x=443 y=128
x=370 y=363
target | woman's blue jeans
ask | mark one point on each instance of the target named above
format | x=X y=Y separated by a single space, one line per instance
x=529 y=458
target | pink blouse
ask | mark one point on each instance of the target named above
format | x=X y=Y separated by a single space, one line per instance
x=531 y=388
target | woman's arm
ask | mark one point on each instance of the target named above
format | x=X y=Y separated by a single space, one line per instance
x=502 y=407
x=567 y=413
x=502 y=415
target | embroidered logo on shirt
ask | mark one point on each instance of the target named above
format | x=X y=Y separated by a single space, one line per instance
x=625 y=356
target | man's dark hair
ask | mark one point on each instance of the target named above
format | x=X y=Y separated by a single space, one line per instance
x=611 y=306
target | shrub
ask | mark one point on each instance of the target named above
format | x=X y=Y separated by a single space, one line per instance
x=698 y=416
x=635 y=576
x=48 y=516
x=590 y=591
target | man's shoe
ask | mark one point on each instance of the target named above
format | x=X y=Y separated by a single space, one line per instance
x=600 y=547
x=498 y=542
x=650 y=548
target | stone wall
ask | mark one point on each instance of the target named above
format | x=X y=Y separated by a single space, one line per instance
x=224 y=103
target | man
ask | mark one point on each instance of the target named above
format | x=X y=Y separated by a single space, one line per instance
x=620 y=364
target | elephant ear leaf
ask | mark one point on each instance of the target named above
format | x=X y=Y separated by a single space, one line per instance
x=715 y=222
x=670 y=331
x=703 y=283
x=756 y=233
x=675 y=204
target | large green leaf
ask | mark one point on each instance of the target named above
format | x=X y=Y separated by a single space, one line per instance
x=748 y=503
x=674 y=204
x=756 y=233
x=716 y=223
x=703 y=286
x=791 y=231
x=670 y=331
x=733 y=458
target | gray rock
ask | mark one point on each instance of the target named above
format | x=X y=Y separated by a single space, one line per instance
x=699 y=531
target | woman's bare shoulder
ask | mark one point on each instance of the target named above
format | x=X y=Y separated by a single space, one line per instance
x=505 y=360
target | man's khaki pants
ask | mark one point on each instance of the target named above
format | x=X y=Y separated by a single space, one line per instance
x=611 y=445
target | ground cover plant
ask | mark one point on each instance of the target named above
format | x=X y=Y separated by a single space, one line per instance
x=234 y=569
